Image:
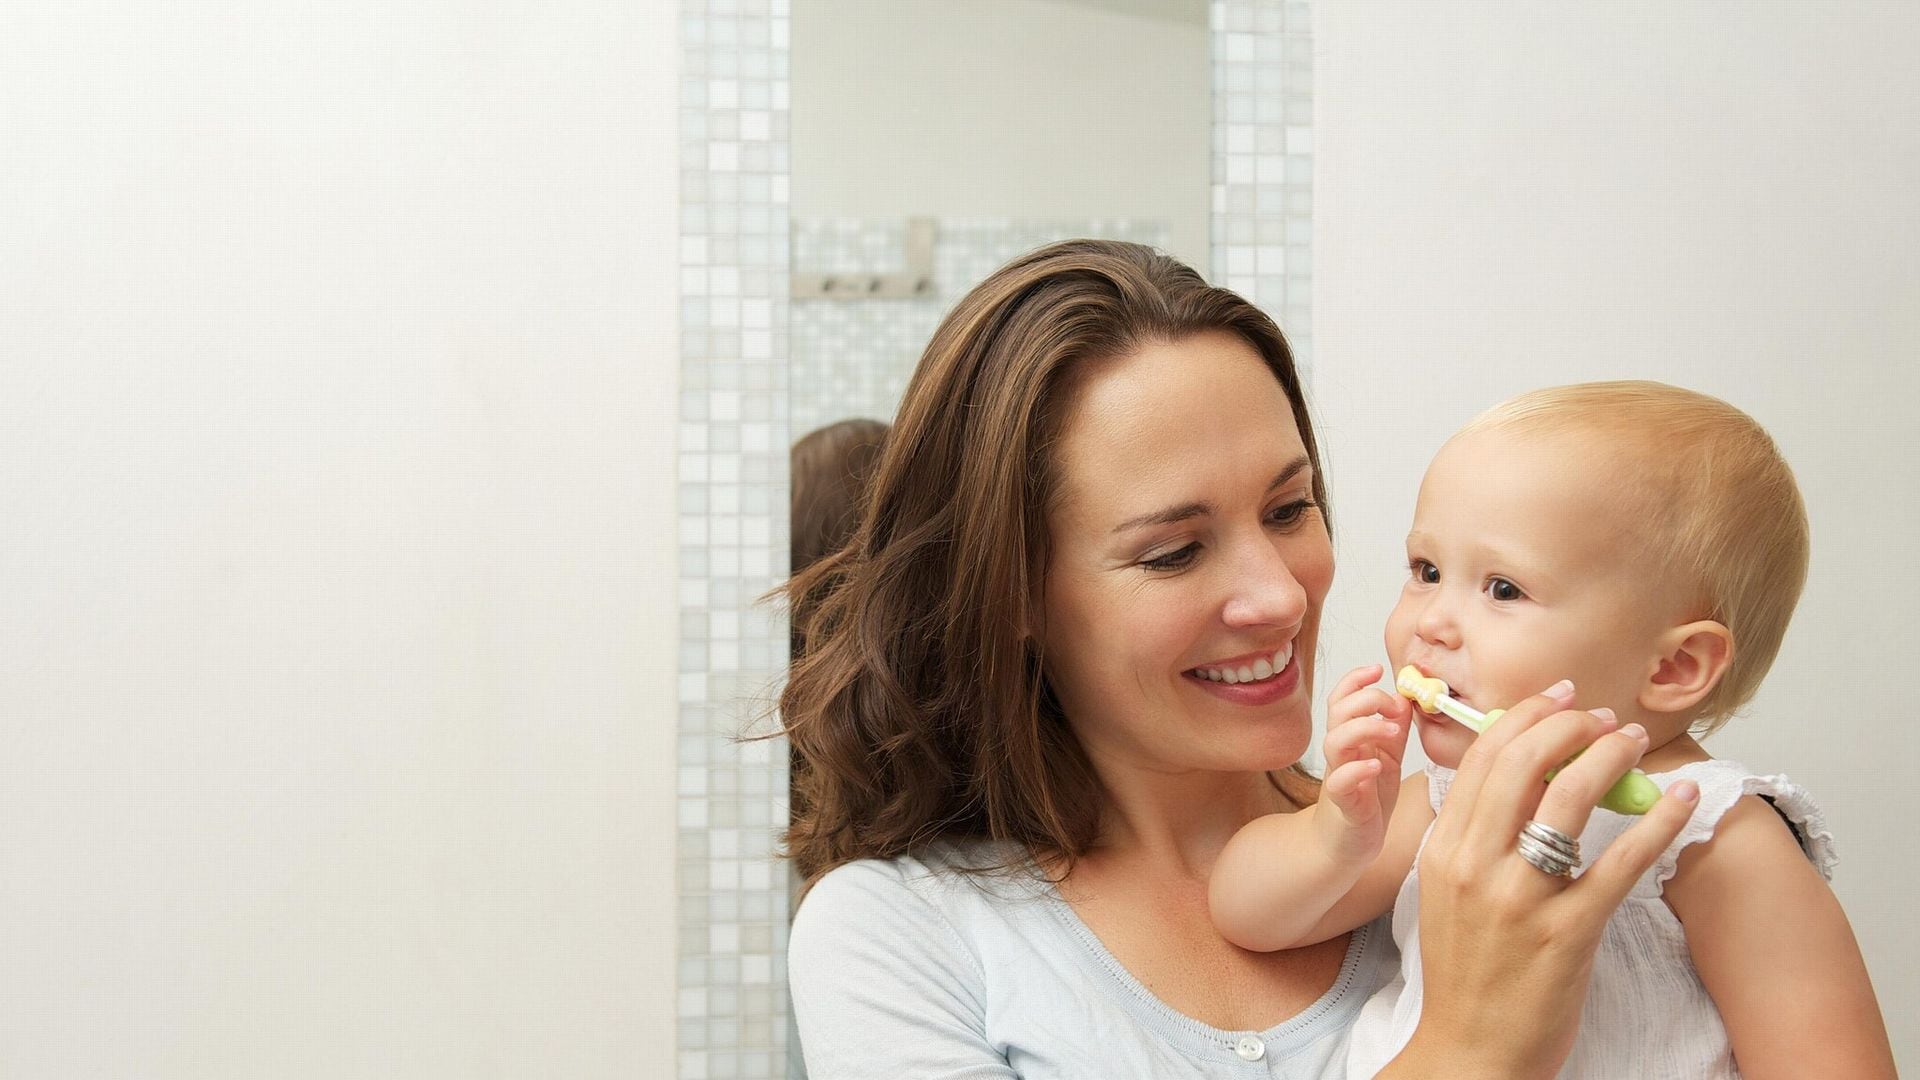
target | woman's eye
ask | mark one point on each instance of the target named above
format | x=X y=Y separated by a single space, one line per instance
x=1424 y=572
x=1501 y=589
x=1173 y=560
x=1290 y=513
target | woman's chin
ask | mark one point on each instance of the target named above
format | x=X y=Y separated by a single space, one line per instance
x=1280 y=750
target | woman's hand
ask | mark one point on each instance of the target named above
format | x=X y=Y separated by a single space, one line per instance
x=1507 y=949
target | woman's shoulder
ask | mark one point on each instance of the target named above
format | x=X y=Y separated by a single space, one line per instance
x=938 y=892
x=938 y=917
x=933 y=875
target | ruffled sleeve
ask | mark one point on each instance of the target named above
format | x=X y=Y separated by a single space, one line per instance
x=1439 y=782
x=1724 y=783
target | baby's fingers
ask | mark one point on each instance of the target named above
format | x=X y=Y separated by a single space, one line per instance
x=1354 y=790
x=1363 y=739
x=1368 y=701
x=1352 y=681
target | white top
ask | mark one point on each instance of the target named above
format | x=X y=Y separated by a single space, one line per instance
x=1647 y=1016
x=907 y=968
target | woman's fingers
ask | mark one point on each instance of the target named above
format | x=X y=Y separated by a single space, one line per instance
x=1478 y=763
x=1501 y=938
x=1513 y=791
x=1569 y=800
x=1612 y=876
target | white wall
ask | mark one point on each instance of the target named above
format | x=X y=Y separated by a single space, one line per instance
x=1029 y=109
x=337 y=378
x=1720 y=195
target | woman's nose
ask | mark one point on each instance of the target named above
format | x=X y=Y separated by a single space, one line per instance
x=1265 y=591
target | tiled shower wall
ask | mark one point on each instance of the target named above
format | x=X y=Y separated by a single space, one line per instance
x=740 y=406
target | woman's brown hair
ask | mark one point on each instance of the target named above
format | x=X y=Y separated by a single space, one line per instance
x=921 y=709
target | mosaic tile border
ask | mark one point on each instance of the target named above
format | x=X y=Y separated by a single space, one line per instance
x=733 y=437
x=735 y=264
x=1262 y=239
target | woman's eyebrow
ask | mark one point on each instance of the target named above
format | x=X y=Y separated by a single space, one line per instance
x=1186 y=511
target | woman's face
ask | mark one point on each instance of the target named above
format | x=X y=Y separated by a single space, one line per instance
x=1187 y=558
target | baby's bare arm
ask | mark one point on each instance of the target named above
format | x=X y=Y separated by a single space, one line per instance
x=1277 y=885
x=1777 y=954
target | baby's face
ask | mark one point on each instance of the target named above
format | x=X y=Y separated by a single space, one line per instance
x=1523 y=569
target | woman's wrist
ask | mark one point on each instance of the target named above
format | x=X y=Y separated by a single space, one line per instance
x=1429 y=1056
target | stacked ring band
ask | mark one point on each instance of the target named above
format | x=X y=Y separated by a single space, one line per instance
x=1549 y=850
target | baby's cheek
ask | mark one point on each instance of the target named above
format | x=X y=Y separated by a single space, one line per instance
x=1399 y=631
x=1444 y=742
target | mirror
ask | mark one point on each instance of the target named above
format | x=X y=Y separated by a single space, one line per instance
x=934 y=141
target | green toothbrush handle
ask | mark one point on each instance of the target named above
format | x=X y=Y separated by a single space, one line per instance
x=1633 y=793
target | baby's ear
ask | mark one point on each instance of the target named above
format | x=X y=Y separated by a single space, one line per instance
x=1693 y=658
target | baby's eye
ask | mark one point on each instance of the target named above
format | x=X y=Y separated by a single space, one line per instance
x=1500 y=588
x=1424 y=572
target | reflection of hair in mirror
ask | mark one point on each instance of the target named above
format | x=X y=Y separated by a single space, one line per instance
x=829 y=469
x=919 y=710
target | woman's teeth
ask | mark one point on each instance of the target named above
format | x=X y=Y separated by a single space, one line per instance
x=1264 y=668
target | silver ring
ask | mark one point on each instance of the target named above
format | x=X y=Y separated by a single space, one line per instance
x=1554 y=839
x=1549 y=861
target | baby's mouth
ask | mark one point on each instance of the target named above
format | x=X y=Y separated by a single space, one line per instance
x=1452 y=692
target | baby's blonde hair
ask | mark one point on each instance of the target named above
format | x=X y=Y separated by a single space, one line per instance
x=1722 y=508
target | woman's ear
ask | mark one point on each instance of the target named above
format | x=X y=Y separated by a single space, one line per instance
x=1692 y=660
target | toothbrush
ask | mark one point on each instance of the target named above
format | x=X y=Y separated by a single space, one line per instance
x=1634 y=793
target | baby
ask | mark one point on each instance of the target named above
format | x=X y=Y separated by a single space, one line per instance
x=1647 y=543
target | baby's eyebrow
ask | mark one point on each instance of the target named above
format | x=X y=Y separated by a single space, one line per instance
x=1495 y=559
x=1187 y=511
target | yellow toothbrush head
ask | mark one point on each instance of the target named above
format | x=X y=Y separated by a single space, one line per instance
x=1421 y=690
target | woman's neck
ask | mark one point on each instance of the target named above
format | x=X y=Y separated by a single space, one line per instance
x=1177 y=822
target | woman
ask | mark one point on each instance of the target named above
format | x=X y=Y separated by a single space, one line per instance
x=1101 y=484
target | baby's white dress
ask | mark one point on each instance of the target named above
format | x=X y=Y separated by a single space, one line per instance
x=1647 y=1016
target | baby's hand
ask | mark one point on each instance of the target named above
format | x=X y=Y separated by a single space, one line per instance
x=1366 y=740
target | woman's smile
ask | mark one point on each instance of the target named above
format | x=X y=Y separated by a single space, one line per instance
x=1250 y=667
x=1260 y=678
